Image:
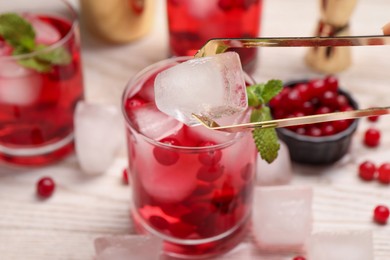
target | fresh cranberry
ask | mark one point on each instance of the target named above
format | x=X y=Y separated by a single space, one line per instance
x=323 y=110
x=342 y=101
x=223 y=198
x=159 y=222
x=278 y=113
x=210 y=173
x=181 y=230
x=134 y=102
x=247 y=172
x=317 y=87
x=275 y=102
x=373 y=118
x=341 y=125
x=372 y=137
x=301 y=130
x=381 y=214
x=346 y=108
x=45 y=187
x=165 y=156
x=199 y=212
x=328 y=129
x=203 y=188
x=367 y=170
x=303 y=90
x=331 y=83
x=226 y=5
x=212 y=156
x=314 y=131
x=299 y=258
x=329 y=99
x=307 y=108
x=294 y=99
x=125 y=176
x=384 y=173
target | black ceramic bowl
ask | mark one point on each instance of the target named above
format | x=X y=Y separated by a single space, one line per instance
x=323 y=149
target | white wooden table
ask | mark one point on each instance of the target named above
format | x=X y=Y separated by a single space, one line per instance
x=83 y=208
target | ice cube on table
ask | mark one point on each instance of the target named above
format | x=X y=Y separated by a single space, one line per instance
x=99 y=133
x=282 y=217
x=128 y=247
x=153 y=123
x=213 y=86
x=18 y=85
x=341 y=245
x=45 y=33
x=278 y=172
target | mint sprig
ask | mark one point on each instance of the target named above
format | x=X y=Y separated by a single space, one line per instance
x=20 y=34
x=266 y=140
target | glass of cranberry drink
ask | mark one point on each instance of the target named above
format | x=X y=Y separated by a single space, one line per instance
x=191 y=186
x=40 y=81
x=192 y=23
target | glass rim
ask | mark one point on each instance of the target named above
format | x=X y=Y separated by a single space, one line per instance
x=74 y=23
x=147 y=72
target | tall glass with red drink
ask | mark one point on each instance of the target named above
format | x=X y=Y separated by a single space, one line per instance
x=192 y=23
x=40 y=81
x=191 y=186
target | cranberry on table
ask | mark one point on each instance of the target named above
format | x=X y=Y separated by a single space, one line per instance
x=45 y=187
x=125 y=176
x=372 y=137
x=384 y=173
x=373 y=118
x=381 y=214
x=367 y=170
x=299 y=258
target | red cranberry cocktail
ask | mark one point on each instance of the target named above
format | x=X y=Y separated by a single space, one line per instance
x=191 y=186
x=192 y=23
x=39 y=88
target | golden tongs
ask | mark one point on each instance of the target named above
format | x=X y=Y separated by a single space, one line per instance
x=215 y=46
x=220 y=45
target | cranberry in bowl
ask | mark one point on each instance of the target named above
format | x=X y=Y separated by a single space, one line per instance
x=321 y=143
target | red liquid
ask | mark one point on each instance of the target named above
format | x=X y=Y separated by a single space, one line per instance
x=189 y=30
x=48 y=117
x=185 y=195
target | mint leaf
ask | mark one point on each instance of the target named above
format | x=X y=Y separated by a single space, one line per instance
x=262 y=93
x=271 y=89
x=17 y=32
x=58 y=56
x=266 y=140
x=20 y=34
x=35 y=64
